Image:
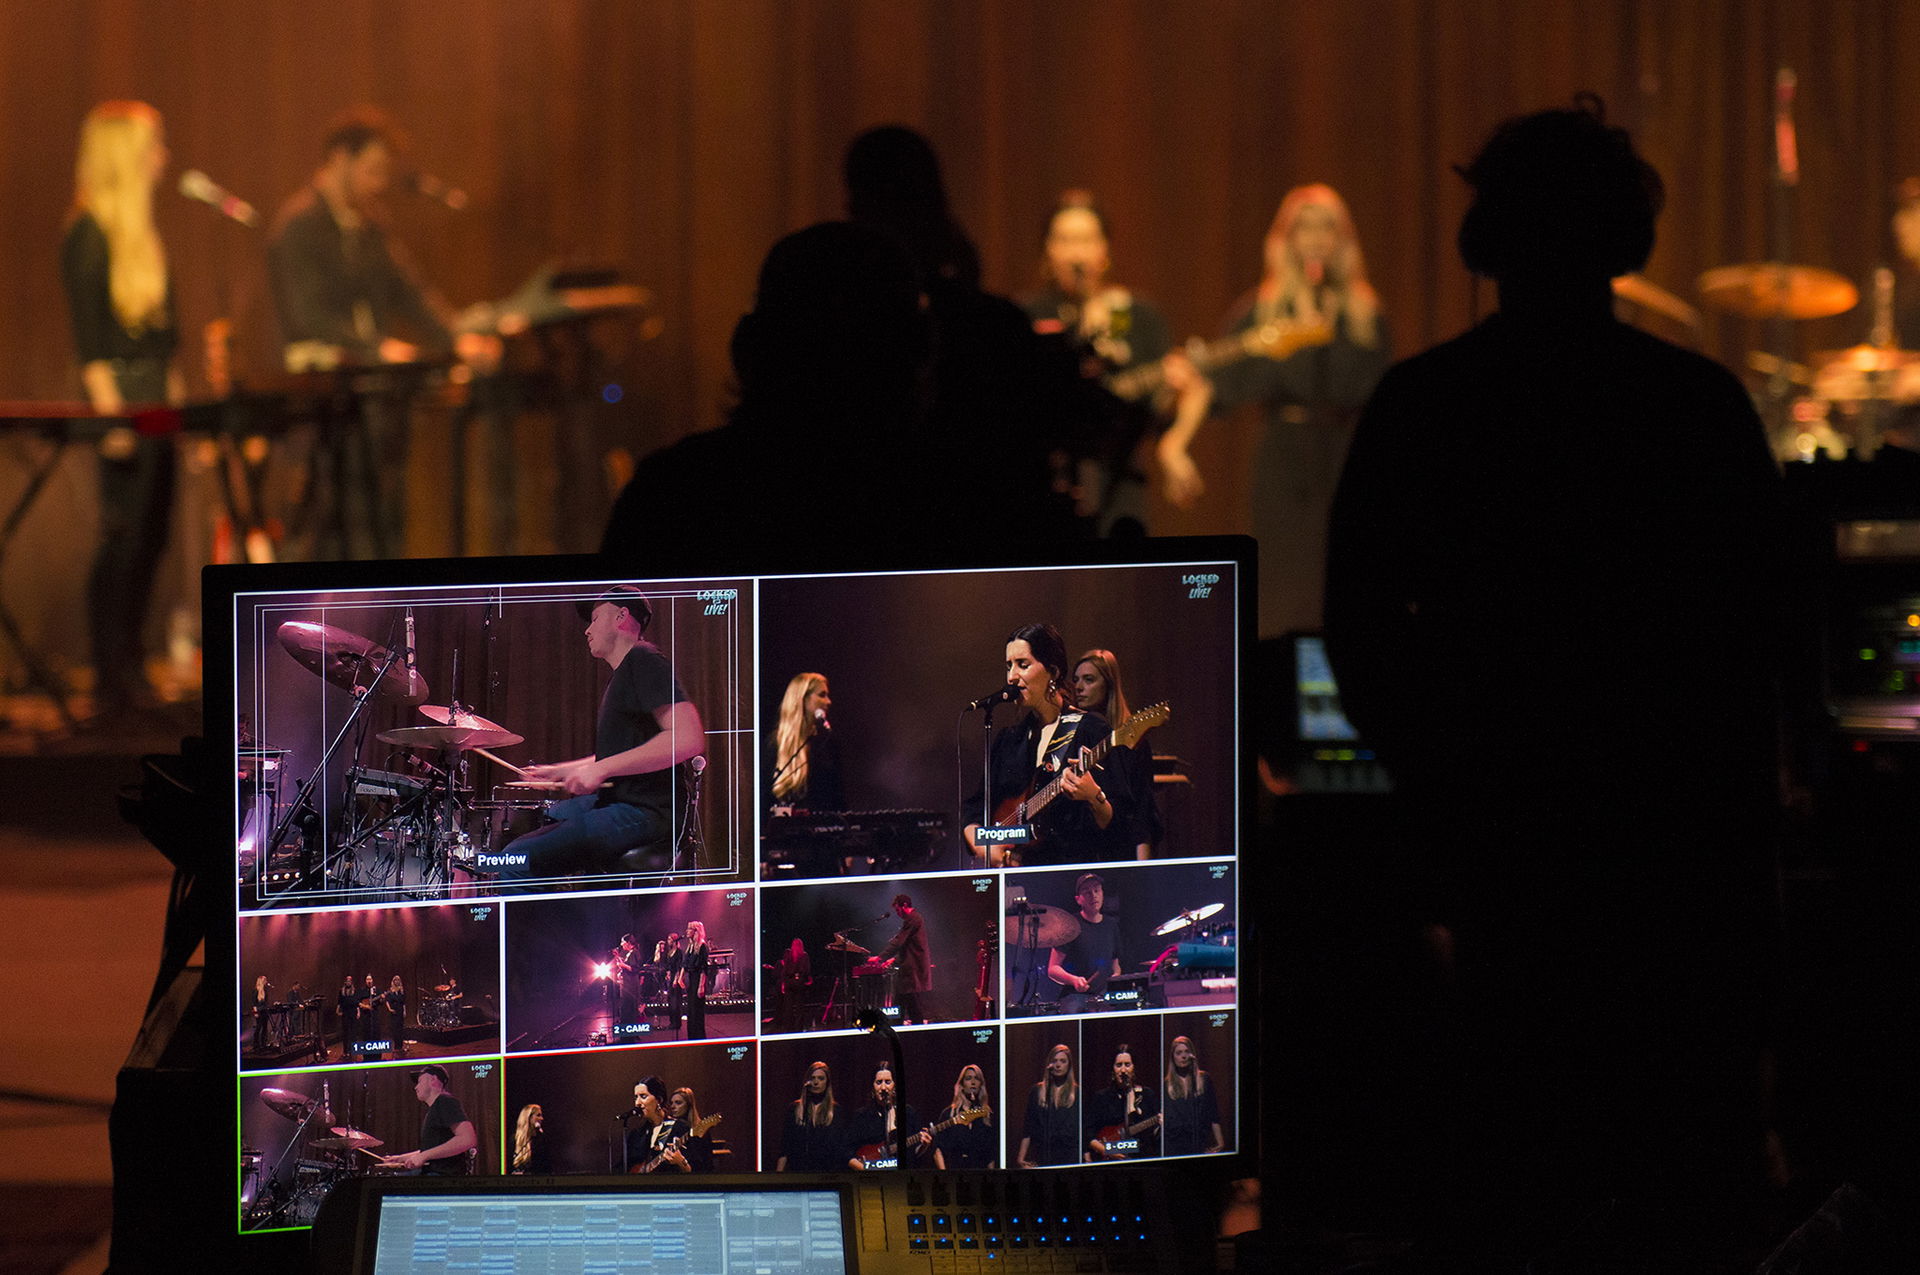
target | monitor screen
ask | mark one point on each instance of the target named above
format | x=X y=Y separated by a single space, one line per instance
x=780 y=1232
x=542 y=871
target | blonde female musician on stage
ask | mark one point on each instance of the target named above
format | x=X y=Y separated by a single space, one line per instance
x=115 y=271
x=1314 y=276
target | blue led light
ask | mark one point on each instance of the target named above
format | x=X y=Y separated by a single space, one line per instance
x=613 y=393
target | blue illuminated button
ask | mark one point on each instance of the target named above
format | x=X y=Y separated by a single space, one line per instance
x=917 y=1222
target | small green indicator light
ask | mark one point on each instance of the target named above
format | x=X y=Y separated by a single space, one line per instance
x=1866 y=652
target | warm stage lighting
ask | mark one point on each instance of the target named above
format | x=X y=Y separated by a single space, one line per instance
x=601 y=969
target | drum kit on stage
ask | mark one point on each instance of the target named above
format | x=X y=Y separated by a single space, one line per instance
x=410 y=833
x=1840 y=401
x=318 y=1158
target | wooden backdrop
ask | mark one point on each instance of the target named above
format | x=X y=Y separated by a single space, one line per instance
x=677 y=139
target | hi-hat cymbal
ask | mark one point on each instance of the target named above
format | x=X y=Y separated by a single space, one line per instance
x=349 y=661
x=455 y=737
x=345 y=1137
x=1042 y=926
x=447 y=717
x=1185 y=919
x=1767 y=290
x=294 y=1106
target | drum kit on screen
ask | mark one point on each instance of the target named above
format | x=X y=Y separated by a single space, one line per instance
x=1838 y=402
x=318 y=1158
x=1037 y=927
x=410 y=831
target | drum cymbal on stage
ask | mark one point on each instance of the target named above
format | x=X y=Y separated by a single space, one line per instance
x=1042 y=926
x=441 y=989
x=294 y=1106
x=1185 y=919
x=1638 y=290
x=1767 y=290
x=1867 y=372
x=447 y=717
x=349 y=661
x=845 y=945
x=347 y=1138
x=1867 y=358
x=455 y=737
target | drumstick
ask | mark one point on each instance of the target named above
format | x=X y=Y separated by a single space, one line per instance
x=518 y=770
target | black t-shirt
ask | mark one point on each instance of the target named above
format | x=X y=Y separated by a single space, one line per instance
x=443 y=1116
x=85 y=265
x=642 y=686
x=1095 y=949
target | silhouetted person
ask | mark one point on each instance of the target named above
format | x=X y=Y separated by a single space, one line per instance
x=1552 y=558
x=830 y=436
x=995 y=381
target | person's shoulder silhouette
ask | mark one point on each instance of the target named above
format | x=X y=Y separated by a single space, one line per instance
x=1551 y=491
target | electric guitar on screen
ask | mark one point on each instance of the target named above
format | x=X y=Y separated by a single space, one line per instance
x=1122 y=1141
x=1017 y=814
x=699 y=1130
x=879 y=1155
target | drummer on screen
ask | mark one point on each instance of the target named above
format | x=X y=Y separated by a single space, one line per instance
x=1083 y=965
x=446 y=1135
x=620 y=798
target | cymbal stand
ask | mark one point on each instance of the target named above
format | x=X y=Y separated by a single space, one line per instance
x=1029 y=943
x=361 y=697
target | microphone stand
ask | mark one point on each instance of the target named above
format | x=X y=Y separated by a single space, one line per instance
x=362 y=697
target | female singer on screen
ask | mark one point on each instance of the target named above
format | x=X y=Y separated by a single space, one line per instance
x=1190 y=1108
x=810 y=1139
x=1096 y=689
x=1052 y=1131
x=1089 y=820
x=806 y=762
x=115 y=271
x=970 y=1144
x=531 y=1155
x=1314 y=278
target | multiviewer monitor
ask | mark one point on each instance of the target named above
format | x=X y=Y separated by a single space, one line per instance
x=544 y=868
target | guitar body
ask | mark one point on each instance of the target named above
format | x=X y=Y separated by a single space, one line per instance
x=1125 y=1134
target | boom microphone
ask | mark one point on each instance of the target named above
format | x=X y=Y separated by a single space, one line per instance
x=1005 y=695
x=200 y=188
